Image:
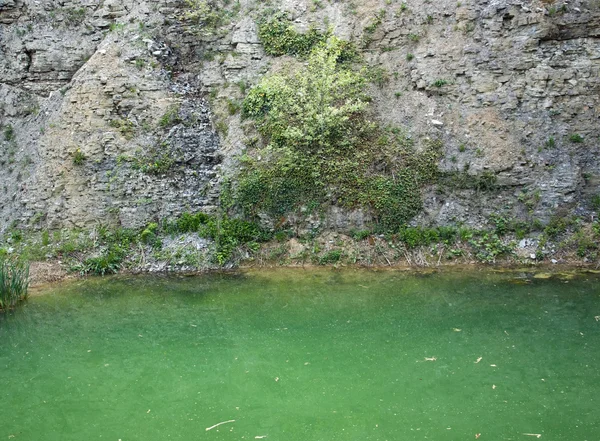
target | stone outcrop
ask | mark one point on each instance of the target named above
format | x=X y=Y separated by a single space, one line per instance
x=105 y=115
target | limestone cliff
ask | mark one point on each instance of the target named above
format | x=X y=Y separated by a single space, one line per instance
x=116 y=111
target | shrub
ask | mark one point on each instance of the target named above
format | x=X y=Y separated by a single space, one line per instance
x=576 y=138
x=78 y=157
x=9 y=133
x=170 y=117
x=229 y=234
x=280 y=38
x=14 y=282
x=332 y=256
x=205 y=16
x=108 y=262
x=322 y=148
x=188 y=223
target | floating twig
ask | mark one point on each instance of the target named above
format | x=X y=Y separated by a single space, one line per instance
x=537 y=435
x=218 y=424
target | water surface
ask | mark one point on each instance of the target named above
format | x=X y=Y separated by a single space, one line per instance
x=305 y=355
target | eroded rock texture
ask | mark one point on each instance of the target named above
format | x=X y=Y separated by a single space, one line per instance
x=105 y=116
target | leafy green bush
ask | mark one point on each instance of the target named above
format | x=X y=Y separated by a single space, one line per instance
x=170 y=117
x=14 y=282
x=329 y=257
x=414 y=237
x=576 y=138
x=229 y=234
x=205 y=16
x=322 y=148
x=279 y=37
x=558 y=225
x=108 y=262
x=188 y=222
x=316 y=109
x=488 y=247
x=78 y=157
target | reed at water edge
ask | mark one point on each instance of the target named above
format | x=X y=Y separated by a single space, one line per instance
x=14 y=282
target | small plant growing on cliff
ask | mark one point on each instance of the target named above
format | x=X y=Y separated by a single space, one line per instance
x=279 y=37
x=74 y=16
x=576 y=138
x=440 y=83
x=551 y=143
x=125 y=127
x=205 y=16
x=595 y=202
x=116 y=27
x=372 y=27
x=78 y=157
x=170 y=117
x=9 y=133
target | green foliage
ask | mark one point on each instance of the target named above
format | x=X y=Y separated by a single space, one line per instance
x=440 y=83
x=9 y=133
x=78 y=157
x=115 y=27
x=576 y=138
x=557 y=226
x=330 y=257
x=372 y=27
x=378 y=76
x=488 y=247
x=360 y=234
x=74 y=16
x=280 y=38
x=551 y=143
x=316 y=109
x=394 y=200
x=14 y=282
x=585 y=246
x=233 y=107
x=188 y=223
x=229 y=234
x=170 y=118
x=409 y=57
x=595 y=202
x=505 y=224
x=108 y=262
x=149 y=235
x=157 y=160
x=206 y=16
x=462 y=180
x=322 y=148
x=125 y=127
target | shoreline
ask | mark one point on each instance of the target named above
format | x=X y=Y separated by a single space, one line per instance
x=48 y=273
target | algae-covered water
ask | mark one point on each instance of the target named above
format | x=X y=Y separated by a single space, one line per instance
x=305 y=355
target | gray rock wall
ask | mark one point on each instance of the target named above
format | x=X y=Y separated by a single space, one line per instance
x=126 y=85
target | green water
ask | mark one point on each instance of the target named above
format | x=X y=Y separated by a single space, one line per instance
x=305 y=355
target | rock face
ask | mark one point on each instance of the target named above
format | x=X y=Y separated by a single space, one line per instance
x=105 y=114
